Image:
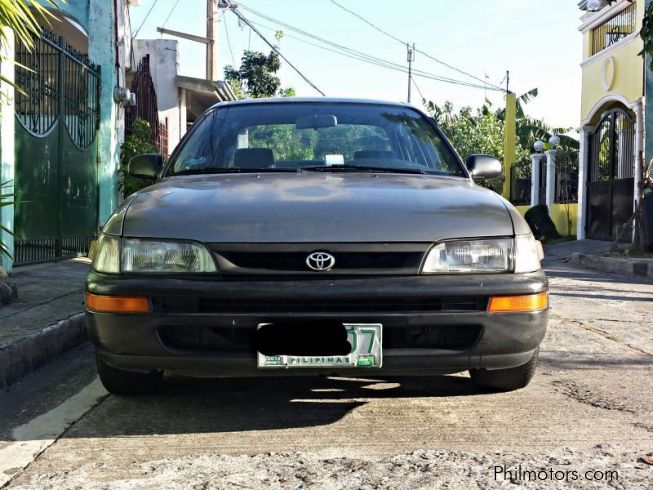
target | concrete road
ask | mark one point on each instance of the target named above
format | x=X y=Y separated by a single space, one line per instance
x=583 y=422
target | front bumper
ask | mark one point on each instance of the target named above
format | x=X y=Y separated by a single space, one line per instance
x=136 y=342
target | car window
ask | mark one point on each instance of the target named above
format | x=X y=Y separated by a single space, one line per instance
x=298 y=135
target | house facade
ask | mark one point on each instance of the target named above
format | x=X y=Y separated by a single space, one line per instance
x=169 y=101
x=612 y=135
x=60 y=136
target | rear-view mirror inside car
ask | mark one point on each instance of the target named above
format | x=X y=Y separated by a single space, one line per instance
x=316 y=121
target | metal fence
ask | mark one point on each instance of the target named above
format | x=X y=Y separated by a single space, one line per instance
x=566 y=181
x=520 y=184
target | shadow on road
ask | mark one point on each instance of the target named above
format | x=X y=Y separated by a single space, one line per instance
x=188 y=405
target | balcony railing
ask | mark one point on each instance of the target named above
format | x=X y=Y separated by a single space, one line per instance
x=614 y=29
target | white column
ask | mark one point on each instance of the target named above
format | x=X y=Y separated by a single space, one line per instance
x=536 y=158
x=182 y=117
x=550 y=176
x=583 y=165
x=7 y=155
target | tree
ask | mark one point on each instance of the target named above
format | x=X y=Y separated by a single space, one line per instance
x=21 y=17
x=256 y=76
x=473 y=131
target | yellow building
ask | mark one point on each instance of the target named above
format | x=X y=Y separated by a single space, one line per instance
x=612 y=115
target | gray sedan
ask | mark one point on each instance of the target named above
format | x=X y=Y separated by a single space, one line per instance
x=290 y=236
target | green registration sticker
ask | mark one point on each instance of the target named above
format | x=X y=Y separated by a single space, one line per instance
x=366 y=352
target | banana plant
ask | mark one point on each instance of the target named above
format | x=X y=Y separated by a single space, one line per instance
x=21 y=16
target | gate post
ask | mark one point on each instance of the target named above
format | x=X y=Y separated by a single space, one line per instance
x=550 y=176
x=7 y=156
x=583 y=165
x=536 y=158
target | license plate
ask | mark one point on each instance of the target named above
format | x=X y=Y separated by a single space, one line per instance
x=366 y=342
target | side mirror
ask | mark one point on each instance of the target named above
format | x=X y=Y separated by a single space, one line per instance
x=484 y=167
x=145 y=166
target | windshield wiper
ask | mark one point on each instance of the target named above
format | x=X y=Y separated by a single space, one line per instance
x=229 y=170
x=366 y=168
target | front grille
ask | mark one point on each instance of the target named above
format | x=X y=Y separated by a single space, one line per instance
x=345 y=261
x=244 y=340
x=317 y=305
x=290 y=258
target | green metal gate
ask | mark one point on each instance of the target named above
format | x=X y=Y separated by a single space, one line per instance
x=56 y=151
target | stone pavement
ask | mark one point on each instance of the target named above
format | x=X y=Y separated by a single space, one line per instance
x=563 y=251
x=47 y=293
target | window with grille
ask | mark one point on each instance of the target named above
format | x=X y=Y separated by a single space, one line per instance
x=614 y=29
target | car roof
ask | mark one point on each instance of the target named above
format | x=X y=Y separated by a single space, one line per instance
x=324 y=100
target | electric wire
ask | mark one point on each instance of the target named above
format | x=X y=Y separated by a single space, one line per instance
x=145 y=18
x=169 y=14
x=275 y=49
x=419 y=91
x=431 y=57
x=352 y=53
x=226 y=30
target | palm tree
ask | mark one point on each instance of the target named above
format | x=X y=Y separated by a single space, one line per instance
x=21 y=17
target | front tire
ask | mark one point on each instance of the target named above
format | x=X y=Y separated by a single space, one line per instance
x=505 y=379
x=121 y=382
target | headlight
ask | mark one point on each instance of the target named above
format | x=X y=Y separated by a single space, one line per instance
x=113 y=255
x=161 y=256
x=528 y=253
x=470 y=256
x=106 y=257
x=519 y=255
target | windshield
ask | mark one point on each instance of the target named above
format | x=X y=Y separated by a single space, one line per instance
x=314 y=137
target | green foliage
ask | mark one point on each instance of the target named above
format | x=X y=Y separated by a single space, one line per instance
x=475 y=131
x=482 y=131
x=137 y=143
x=21 y=17
x=5 y=200
x=256 y=76
x=289 y=143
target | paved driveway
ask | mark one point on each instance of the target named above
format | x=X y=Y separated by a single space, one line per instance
x=583 y=422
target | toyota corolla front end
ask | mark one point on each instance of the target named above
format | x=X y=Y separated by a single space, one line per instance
x=316 y=236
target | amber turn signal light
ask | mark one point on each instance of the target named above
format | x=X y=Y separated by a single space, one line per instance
x=117 y=304
x=521 y=303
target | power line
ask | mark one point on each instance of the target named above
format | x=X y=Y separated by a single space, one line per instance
x=358 y=55
x=146 y=16
x=226 y=30
x=170 y=13
x=386 y=33
x=275 y=49
x=433 y=58
x=419 y=91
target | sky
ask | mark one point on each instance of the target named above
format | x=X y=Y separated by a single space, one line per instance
x=537 y=41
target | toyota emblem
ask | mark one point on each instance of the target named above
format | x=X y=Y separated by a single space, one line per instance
x=320 y=261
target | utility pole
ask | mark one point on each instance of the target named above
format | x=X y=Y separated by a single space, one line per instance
x=410 y=58
x=212 y=38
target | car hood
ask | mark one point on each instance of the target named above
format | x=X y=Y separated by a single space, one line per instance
x=313 y=207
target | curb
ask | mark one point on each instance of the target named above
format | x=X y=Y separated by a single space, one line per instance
x=24 y=355
x=615 y=265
